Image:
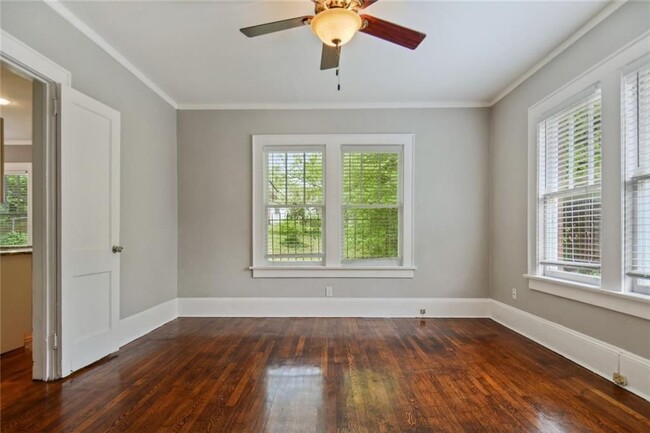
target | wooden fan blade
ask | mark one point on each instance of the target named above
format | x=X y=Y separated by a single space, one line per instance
x=367 y=3
x=392 y=32
x=329 y=58
x=276 y=26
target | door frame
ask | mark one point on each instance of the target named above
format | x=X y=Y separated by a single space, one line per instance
x=46 y=323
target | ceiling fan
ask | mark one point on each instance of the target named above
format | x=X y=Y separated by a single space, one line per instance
x=336 y=22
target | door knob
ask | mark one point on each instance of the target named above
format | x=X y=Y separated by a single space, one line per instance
x=117 y=249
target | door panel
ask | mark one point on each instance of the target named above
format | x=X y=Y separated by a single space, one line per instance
x=90 y=192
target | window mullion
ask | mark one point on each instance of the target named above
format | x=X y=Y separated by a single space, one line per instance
x=333 y=196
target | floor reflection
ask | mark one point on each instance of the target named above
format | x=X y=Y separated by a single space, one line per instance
x=294 y=398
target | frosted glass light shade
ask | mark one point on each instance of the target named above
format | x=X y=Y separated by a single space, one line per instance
x=337 y=24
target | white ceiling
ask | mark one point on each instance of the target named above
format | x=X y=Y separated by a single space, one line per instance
x=194 y=52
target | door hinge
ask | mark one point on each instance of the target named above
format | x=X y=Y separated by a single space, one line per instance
x=55 y=106
x=55 y=341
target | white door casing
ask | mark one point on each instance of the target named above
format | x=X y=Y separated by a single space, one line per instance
x=90 y=227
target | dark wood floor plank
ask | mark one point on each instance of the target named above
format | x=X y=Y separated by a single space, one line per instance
x=239 y=375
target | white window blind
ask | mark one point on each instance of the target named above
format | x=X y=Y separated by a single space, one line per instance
x=570 y=191
x=636 y=133
x=294 y=206
x=371 y=206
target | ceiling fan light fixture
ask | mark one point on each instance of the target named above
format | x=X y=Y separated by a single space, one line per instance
x=336 y=26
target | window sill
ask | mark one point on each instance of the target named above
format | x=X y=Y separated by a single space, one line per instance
x=627 y=303
x=12 y=251
x=339 y=272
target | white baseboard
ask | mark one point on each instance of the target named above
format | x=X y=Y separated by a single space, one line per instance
x=333 y=307
x=602 y=358
x=146 y=321
x=637 y=371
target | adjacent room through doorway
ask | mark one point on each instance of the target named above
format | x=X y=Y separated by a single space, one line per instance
x=16 y=110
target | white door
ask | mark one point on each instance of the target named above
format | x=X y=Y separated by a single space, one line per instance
x=90 y=228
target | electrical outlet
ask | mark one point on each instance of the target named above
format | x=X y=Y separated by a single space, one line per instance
x=514 y=293
x=328 y=291
x=619 y=379
x=423 y=311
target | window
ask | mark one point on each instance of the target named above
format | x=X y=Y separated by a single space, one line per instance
x=294 y=206
x=15 y=211
x=569 y=170
x=589 y=186
x=332 y=205
x=371 y=205
x=636 y=136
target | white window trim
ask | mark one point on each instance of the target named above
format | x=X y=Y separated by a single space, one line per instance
x=333 y=266
x=623 y=302
x=22 y=168
x=612 y=293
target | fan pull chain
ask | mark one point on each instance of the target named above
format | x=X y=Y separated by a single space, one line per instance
x=338 y=66
x=338 y=79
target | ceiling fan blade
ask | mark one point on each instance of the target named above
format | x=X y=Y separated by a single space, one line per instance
x=392 y=32
x=276 y=26
x=367 y=3
x=329 y=58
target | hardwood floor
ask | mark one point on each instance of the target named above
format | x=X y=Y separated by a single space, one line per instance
x=322 y=375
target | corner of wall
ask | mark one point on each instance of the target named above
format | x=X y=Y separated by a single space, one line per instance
x=490 y=218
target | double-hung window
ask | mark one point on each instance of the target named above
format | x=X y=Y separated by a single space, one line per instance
x=636 y=136
x=589 y=186
x=569 y=191
x=372 y=207
x=333 y=205
x=294 y=205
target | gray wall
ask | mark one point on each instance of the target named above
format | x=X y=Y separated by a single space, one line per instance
x=509 y=180
x=18 y=153
x=451 y=200
x=148 y=161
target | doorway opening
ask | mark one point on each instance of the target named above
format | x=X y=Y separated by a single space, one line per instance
x=28 y=231
x=16 y=211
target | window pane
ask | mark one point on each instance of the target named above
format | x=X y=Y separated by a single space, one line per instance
x=370 y=233
x=570 y=195
x=294 y=178
x=573 y=233
x=294 y=212
x=370 y=178
x=640 y=257
x=14 y=229
x=636 y=130
x=294 y=234
x=371 y=206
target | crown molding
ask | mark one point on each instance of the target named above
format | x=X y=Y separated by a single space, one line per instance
x=593 y=22
x=333 y=106
x=68 y=15
x=59 y=8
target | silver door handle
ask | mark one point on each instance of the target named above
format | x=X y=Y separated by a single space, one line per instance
x=117 y=249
